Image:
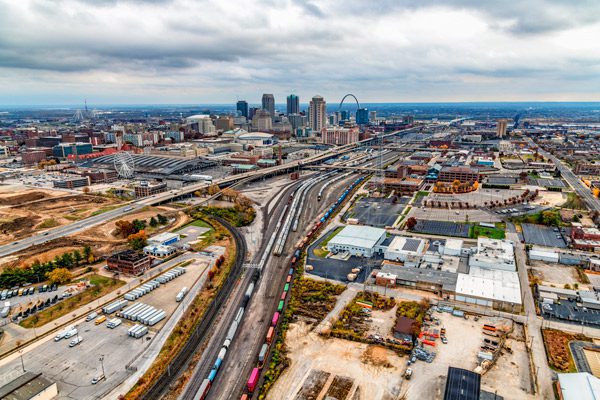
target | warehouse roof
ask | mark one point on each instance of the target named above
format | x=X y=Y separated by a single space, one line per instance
x=407 y=245
x=358 y=236
x=579 y=386
x=462 y=384
x=25 y=387
x=494 y=284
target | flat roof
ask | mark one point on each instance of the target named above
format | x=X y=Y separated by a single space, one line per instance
x=25 y=387
x=443 y=278
x=579 y=386
x=358 y=236
x=462 y=384
x=161 y=237
x=405 y=244
x=494 y=284
x=455 y=244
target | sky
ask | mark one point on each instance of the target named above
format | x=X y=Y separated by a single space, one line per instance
x=219 y=51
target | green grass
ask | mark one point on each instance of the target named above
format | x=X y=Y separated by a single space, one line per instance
x=48 y=223
x=492 y=233
x=331 y=235
x=574 y=202
x=420 y=194
x=105 y=209
x=197 y=222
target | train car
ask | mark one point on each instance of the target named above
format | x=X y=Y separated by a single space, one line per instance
x=203 y=391
x=212 y=375
x=244 y=397
x=280 y=306
x=289 y=279
x=275 y=319
x=293 y=261
x=291 y=271
x=270 y=334
x=253 y=380
x=286 y=287
x=283 y=295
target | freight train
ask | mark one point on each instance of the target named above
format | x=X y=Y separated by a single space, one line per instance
x=254 y=378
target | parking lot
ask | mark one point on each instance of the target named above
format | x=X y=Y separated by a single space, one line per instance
x=74 y=368
x=443 y=228
x=543 y=236
x=378 y=212
x=548 y=183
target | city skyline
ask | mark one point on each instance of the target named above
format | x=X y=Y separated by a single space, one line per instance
x=136 y=52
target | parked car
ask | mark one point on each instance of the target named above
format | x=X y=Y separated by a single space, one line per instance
x=444 y=340
x=98 y=378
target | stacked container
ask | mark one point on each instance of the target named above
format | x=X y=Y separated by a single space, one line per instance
x=114 y=306
x=137 y=331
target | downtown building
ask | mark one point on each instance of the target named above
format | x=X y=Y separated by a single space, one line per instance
x=268 y=103
x=293 y=104
x=317 y=118
x=339 y=136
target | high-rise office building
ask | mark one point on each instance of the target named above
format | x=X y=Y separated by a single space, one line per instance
x=362 y=116
x=252 y=111
x=344 y=115
x=262 y=121
x=317 y=114
x=373 y=116
x=501 y=127
x=293 y=104
x=268 y=103
x=242 y=107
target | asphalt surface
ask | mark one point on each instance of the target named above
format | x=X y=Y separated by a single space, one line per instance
x=543 y=236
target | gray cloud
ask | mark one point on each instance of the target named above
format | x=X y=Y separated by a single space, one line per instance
x=218 y=49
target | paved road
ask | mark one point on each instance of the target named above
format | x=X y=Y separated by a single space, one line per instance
x=534 y=324
x=573 y=180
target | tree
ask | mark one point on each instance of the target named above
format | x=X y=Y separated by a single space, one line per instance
x=125 y=228
x=550 y=218
x=77 y=257
x=162 y=219
x=86 y=190
x=138 y=225
x=137 y=241
x=153 y=222
x=87 y=254
x=213 y=189
x=523 y=176
x=596 y=192
x=67 y=260
x=411 y=223
x=59 y=276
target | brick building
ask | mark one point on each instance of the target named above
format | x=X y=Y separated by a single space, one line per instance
x=129 y=262
x=462 y=174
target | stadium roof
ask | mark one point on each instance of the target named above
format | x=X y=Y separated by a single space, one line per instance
x=579 y=386
x=158 y=164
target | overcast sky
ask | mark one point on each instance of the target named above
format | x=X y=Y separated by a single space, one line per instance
x=163 y=51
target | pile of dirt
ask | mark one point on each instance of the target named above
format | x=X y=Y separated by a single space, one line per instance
x=376 y=356
x=22 y=198
x=69 y=201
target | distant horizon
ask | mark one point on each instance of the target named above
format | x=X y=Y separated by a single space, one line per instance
x=350 y=103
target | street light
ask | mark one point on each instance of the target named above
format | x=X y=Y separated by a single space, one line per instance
x=22 y=363
x=102 y=364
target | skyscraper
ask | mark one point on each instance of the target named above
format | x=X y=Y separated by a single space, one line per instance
x=293 y=104
x=317 y=114
x=268 y=103
x=501 y=127
x=242 y=107
x=362 y=116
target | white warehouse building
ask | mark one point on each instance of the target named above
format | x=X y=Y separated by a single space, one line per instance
x=358 y=240
x=490 y=287
x=494 y=254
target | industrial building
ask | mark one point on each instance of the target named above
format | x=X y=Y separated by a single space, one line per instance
x=495 y=288
x=164 y=239
x=358 y=240
x=159 y=250
x=129 y=262
x=462 y=384
x=494 y=254
x=72 y=182
x=29 y=386
x=462 y=174
x=452 y=247
x=578 y=386
x=401 y=248
x=541 y=254
x=145 y=188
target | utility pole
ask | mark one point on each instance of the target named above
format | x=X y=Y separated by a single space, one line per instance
x=22 y=363
x=102 y=364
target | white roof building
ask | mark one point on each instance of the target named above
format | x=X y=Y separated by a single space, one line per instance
x=494 y=254
x=488 y=287
x=538 y=253
x=358 y=240
x=403 y=247
x=579 y=386
x=453 y=247
x=164 y=238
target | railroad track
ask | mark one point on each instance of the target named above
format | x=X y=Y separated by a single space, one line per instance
x=182 y=359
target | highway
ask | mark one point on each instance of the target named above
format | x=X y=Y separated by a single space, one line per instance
x=75 y=227
x=573 y=180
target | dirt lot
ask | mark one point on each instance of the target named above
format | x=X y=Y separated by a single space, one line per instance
x=464 y=340
x=553 y=199
x=25 y=211
x=102 y=239
x=557 y=274
x=337 y=366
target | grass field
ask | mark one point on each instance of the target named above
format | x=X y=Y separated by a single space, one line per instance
x=322 y=251
x=492 y=233
x=101 y=286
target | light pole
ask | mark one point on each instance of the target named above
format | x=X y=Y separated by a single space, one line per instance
x=22 y=363
x=102 y=364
